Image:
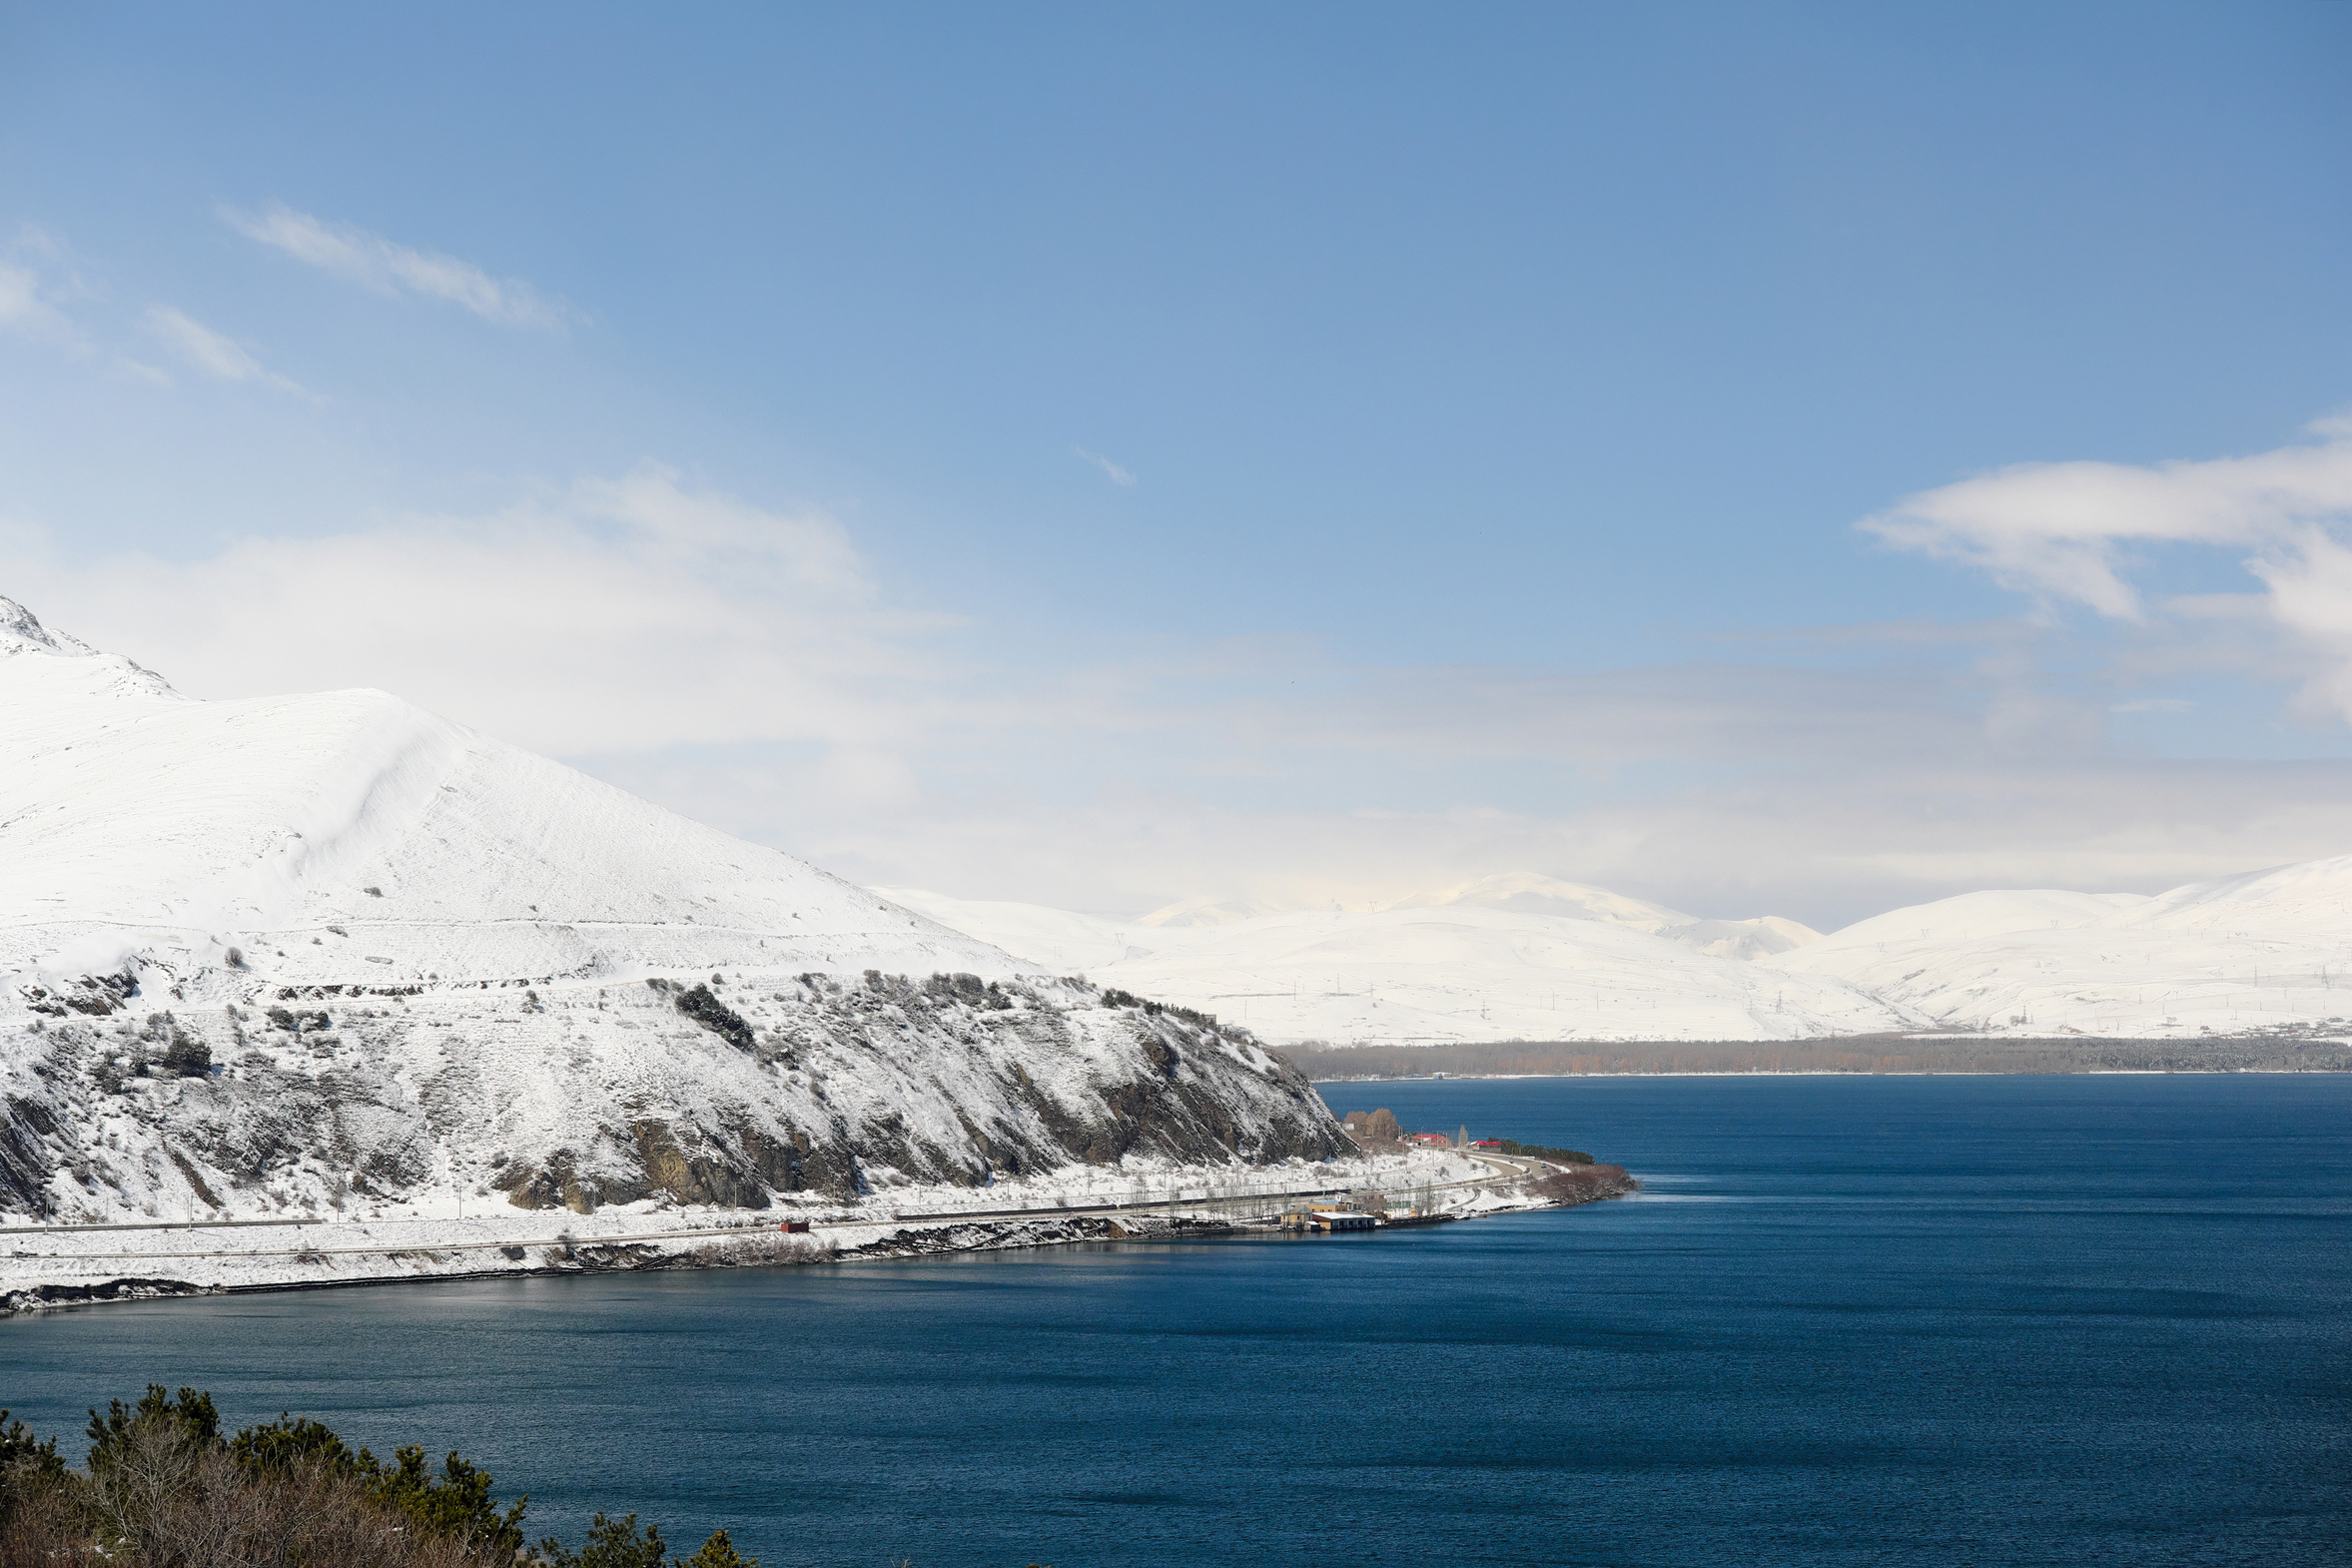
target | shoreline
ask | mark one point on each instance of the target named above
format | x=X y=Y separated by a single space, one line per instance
x=1937 y=1055
x=68 y=1275
x=1452 y=1076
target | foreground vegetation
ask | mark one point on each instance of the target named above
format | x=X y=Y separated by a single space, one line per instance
x=162 y=1488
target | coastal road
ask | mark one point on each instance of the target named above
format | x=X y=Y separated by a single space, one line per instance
x=1499 y=1166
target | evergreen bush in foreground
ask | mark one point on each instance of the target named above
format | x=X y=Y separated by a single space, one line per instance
x=162 y=1488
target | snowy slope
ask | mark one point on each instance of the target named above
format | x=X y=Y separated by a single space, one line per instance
x=1972 y=916
x=1460 y=973
x=423 y=963
x=1512 y=893
x=1439 y=971
x=1528 y=893
x=1057 y=941
x=2262 y=951
x=1528 y=957
x=348 y=835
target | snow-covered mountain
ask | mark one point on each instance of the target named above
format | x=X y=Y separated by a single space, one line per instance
x=330 y=948
x=1528 y=893
x=1526 y=957
x=2235 y=955
x=1518 y=957
x=1511 y=893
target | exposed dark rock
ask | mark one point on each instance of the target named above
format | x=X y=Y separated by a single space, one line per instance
x=107 y=1291
x=713 y=1015
x=950 y=1081
x=25 y=1160
x=695 y=1176
x=195 y=1182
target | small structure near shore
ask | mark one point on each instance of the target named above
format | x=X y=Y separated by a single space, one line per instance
x=1328 y=1218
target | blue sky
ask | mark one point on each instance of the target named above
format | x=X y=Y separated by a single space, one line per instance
x=1104 y=456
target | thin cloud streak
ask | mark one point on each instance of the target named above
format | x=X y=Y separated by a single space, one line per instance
x=36 y=275
x=215 y=354
x=1116 y=474
x=374 y=262
x=21 y=307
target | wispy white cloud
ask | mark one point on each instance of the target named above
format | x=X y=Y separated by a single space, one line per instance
x=374 y=262
x=1116 y=474
x=620 y=614
x=742 y=663
x=1828 y=843
x=37 y=277
x=2082 y=531
x=214 y=353
x=22 y=308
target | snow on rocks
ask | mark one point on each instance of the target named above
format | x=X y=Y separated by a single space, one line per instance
x=1140 y=1199
x=333 y=955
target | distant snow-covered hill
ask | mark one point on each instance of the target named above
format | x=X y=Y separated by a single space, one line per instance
x=331 y=950
x=1445 y=967
x=1527 y=893
x=1525 y=956
x=2266 y=950
x=1513 y=893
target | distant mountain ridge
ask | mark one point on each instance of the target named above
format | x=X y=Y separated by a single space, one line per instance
x=1514 y=955
x=1508 y=956
x=1527 y=893
x=2267 y=951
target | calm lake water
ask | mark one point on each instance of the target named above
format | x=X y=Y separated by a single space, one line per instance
x=1990 y=1320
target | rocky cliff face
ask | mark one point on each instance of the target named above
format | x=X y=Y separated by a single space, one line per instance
x=725 y=1089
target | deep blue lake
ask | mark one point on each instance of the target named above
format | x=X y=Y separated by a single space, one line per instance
x=1968 y=1321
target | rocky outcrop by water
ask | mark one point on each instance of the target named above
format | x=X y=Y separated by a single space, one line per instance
x=728 y=1091
x=1569 y=1186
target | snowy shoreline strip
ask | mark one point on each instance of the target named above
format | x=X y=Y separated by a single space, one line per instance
x=52 y=1281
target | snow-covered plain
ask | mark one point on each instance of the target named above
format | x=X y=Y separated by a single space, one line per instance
x=332 y=955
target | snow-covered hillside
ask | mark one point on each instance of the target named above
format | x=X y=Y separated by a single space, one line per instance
x=1437 y=969
x=346 y=836
x=1058 y=940
x=329 y=948
x=1527 y=893
x=2242 y=954
x=1524 y=957
x=1510 y=893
